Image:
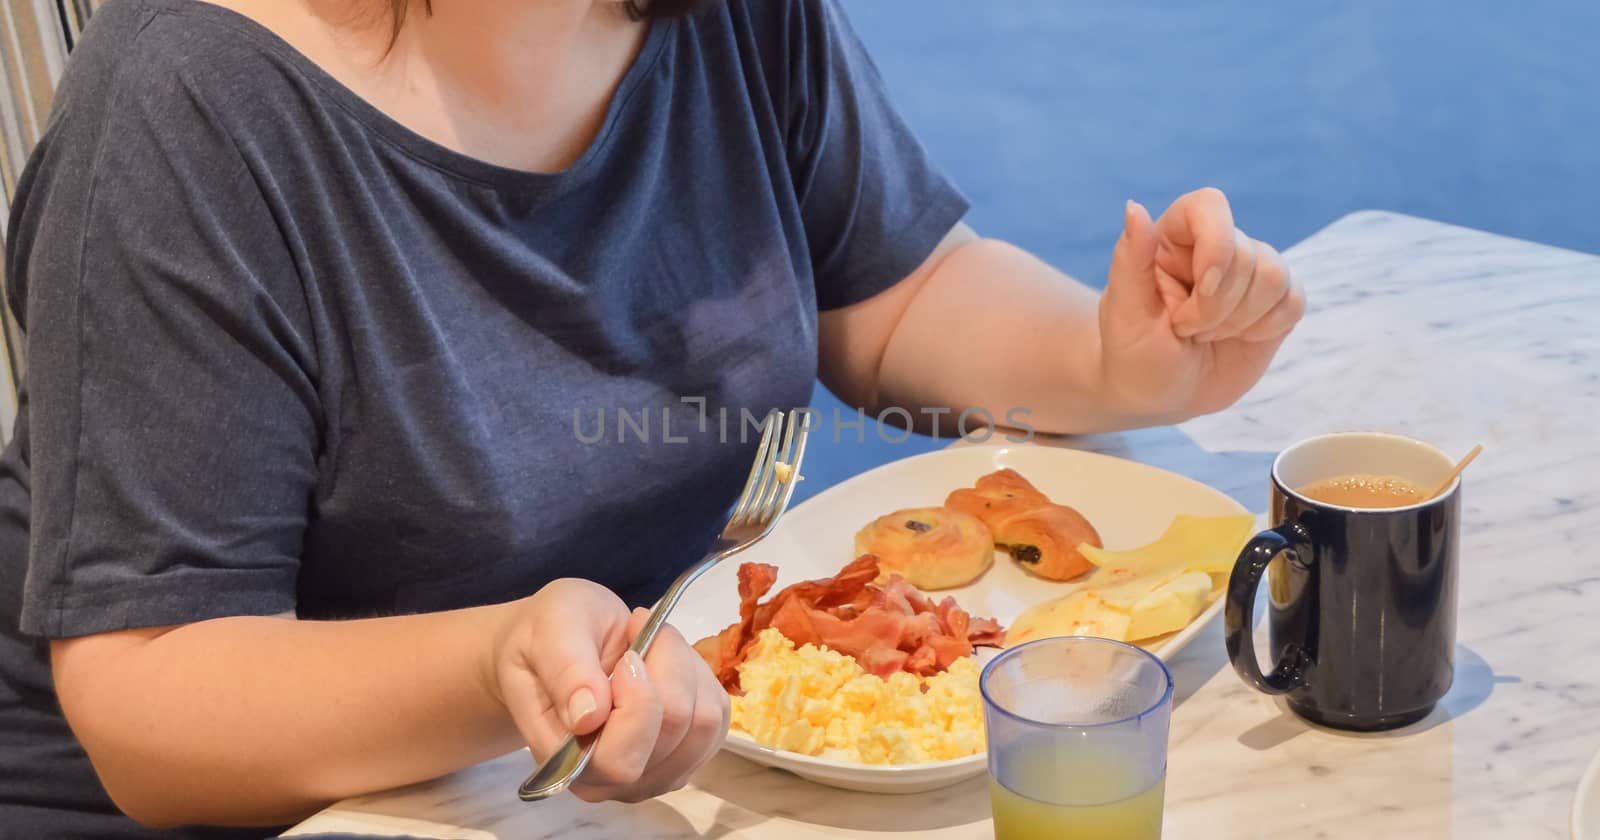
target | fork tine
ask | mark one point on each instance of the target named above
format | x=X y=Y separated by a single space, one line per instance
x=769 y=473
x=795 y=458
x=769 y=434
x=771 y=491
x=772 y=505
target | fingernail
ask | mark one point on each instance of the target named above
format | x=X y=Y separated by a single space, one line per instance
x=1210 y=282
x=581 y=704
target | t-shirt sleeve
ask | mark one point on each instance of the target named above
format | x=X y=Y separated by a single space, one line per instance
x=173 y=413
x=873 y=202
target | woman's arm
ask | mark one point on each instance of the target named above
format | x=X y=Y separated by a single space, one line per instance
x=262 y=721
x=981 y=324
x=985 y=324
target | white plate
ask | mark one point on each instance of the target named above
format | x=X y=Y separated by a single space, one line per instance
x=1129 y=504
x=1586 y=804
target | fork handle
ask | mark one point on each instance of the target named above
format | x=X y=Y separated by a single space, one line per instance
x=564 y=766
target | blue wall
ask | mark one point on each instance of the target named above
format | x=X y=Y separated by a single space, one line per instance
x=1050 y=113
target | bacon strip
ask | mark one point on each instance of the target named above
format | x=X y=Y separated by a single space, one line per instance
x=885 y=627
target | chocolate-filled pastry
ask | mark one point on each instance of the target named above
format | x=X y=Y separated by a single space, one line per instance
x=1043 y=537
x=997 y=496
x=932 y=548
x=1044 y=540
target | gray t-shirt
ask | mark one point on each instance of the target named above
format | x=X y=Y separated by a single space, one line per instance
x=286 y=354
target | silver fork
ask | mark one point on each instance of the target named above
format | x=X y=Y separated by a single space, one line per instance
x=766 y=496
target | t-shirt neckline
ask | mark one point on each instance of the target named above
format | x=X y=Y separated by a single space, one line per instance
x=421 y=148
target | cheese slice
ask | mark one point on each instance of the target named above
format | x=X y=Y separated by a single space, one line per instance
x=1191 y=543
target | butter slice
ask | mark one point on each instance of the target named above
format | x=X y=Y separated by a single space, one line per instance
x=1170 y=608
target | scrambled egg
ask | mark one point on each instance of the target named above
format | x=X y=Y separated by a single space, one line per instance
x=817 y=701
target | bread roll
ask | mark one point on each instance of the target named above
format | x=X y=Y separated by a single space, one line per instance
x=932 y=548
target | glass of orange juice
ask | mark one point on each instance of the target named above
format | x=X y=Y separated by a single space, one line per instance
x=1077 y=730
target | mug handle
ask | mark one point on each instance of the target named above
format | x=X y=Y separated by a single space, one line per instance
x=1238 y=617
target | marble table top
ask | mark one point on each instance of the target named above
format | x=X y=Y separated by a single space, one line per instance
x=1450 y=335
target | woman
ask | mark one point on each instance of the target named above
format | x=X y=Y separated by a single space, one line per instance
x=312 y=292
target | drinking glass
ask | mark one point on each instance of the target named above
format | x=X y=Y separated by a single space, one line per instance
x=1077 y=732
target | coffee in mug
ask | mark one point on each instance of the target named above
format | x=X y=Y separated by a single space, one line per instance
x=1362 y=569
x=1364 y=491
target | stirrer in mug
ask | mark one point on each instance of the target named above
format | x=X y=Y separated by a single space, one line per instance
x=1460 y=465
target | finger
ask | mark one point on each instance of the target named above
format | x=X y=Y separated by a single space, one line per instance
x=543 y=659
x=636 y=621
x=1205 y=312
x=713 y=713
x=597 y=787
x=704 y=737
x=673 y=667
x=1198 y=233
x=1281 y=318
x=1131 y=285
x=534 y=713
x=1268 y=284
x=623 y=748
x=572 y=665
x=1173 y=291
